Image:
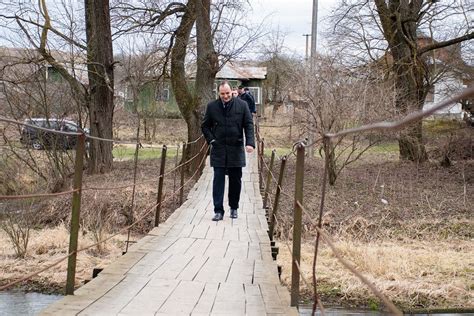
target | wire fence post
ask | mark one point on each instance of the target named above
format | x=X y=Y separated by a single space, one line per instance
x=269 y=177
x=271 y=231
x=174 y=174
x=205 y=151
x=75 y=215
x=159 y=197
x=183 y=168
x=260 y=176
x=297 y=217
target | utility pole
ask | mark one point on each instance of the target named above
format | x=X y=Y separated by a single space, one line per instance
x=314 y=29
x=314 y=37
x=307 y=46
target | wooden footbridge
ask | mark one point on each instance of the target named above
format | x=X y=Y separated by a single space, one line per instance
x=190 y=265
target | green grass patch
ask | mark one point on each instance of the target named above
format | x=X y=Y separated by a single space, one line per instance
x=391 y=147
x=280 y=152
x=441 y=126
x=127 y=153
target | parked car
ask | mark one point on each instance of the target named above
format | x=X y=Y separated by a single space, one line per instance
x=41 y=139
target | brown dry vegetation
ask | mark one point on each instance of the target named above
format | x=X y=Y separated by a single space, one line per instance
x=103 y=213
x=408 y=228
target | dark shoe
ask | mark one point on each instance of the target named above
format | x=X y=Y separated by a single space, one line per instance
x=233 y=213
x=218 y=217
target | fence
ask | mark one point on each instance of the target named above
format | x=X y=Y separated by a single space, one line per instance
x=266 y=172
x=197 y=147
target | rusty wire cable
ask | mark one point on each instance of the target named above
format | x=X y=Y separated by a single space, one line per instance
x=34 y=196
x=139 y=219
x=150 y=180
x=5 y=119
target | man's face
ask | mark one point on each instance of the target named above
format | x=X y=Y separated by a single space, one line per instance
x=225 y=93
x=240 y=90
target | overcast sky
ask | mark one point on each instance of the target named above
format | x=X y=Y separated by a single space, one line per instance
x=293 y=17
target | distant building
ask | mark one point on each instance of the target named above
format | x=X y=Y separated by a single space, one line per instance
x=158 y=97
x=450 y=75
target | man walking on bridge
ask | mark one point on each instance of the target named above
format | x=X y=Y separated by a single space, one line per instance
x=225 y=121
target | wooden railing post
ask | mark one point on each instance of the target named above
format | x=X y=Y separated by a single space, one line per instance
x=175 y=199
x=277 y=199
x=262 y=151
x=75 y=216
x=183 y=169
x=159 y=197
x=297 y=217
x=269 y=178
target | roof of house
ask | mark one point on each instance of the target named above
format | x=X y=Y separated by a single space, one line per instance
x=241 y=71
x=19 y=64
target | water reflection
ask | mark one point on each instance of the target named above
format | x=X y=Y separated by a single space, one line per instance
x=18 y=303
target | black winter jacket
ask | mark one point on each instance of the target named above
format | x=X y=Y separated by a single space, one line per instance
x=224 y=130
x=248 y=98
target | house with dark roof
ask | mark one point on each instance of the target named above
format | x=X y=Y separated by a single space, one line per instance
x=157 y=97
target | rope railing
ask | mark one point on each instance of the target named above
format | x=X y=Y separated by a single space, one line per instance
x=407 y=120
x=35 y=196
x=151 y=180
x=350 y=267
x=139 y=219
x=299 y=148
x=77 y=190
x=117 y=141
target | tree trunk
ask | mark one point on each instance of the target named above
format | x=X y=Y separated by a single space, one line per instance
x=192 y=104
x=410 y=96
x=399 y=24
x=332 y=167
x=101 y=82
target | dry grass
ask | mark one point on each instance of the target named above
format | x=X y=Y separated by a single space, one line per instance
x=411 y=273
x=48 y=245
x=407 y=227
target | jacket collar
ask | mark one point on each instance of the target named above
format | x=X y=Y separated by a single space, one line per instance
x=228 y=105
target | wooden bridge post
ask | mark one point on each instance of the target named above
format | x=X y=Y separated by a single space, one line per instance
x=269 y=177
x=183 y=169
x=277 y=199
x=297 y=218
x=260 y=160
x=159 y=197
x=75 y=215
x=175 y=199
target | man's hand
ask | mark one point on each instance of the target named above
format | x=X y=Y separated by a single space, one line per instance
x=249 y=149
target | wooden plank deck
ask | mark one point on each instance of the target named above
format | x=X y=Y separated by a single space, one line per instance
x=190 y=265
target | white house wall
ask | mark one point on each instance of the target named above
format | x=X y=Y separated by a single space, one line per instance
x=443 y=89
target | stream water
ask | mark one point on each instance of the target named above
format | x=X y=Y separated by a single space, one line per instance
x=19 y=303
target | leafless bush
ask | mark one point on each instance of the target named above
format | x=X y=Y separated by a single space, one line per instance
x=97 y=223
x=334 y=97
x=17 y=221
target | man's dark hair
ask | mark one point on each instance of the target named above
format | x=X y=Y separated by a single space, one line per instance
x=223 y=83
x=241 y=87
x=246 y=89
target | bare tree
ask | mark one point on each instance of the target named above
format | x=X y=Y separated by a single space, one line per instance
x=206 y=33
x=143 y=68
x=37 y=24
x=101 y=82
x=334 y=97
x=371 y=30
x=280 y=69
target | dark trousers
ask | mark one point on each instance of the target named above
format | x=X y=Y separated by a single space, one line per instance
x=218 y=185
